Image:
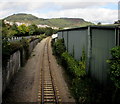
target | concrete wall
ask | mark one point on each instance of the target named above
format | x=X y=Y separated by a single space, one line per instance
x=14 y=64
x=32 y=45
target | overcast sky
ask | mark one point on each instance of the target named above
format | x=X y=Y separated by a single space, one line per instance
x=90 y=10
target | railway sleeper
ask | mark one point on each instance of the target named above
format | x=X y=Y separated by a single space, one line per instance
x=48 y=94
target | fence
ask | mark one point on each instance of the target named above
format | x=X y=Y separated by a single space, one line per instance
x=18 y=38
x=96 y=41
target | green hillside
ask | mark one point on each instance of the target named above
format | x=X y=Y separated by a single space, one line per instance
x=55 y=22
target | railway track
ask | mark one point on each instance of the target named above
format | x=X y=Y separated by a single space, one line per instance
x=48 y=92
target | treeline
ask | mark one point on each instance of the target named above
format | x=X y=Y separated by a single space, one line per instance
x=24 y=30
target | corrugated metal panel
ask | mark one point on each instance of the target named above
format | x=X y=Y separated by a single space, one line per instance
x=97 y=42
x=60 y=35
x=102 y=42
x=77 y=41
x=65 y=38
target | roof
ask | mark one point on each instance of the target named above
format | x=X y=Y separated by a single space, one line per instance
x=91 y=26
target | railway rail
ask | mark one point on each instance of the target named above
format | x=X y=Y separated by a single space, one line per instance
x=48 y=90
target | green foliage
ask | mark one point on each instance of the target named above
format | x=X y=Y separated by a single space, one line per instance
x=115 y=66
x=9 y=48
x=59 y=47
x=33 y=29
x=83 y=61
x=80 y=90
x=21 y=17
x=42 y=36
x=73 y=66
x=8 y=30
x=23 y=30
x=48 y=31
x=76 y=70
x=83 y=88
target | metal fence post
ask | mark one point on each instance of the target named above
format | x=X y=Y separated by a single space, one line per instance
x=89 y=49
x=67 y=40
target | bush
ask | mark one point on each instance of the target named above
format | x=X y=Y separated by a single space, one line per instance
x=115 y=72
x=115 y=66
x=42 y=36
x=9 y=48
x=72 y=65
x=76 y=71
x=58 y=47
x=81 y=90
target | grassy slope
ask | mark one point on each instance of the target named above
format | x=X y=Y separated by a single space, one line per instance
x=57 y=22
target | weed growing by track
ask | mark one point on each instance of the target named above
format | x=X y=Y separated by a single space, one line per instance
x=75 y=70
x=85 y=89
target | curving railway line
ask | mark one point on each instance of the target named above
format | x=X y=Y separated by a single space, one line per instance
x=48 y=92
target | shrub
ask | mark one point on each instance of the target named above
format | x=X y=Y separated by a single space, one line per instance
x=76 y=70
x=58 y=47
x=72 y=65
x=115 y=72
x=42 y=36
x=81 y=90
x=9 y=48
x=115 y=66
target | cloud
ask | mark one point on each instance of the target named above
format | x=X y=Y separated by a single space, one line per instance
x=90 y=11
x=60 y=1
x=99 y=15
x=8 y=8
x=73 y=5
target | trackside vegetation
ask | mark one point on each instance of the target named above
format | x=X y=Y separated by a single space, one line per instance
x=114 y=72
x=9 y=30
x=85 y=89
x=9 y=48
x=75 y=69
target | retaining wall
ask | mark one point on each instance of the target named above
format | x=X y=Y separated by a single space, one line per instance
x=14 y=64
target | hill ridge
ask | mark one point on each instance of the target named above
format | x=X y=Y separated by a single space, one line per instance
x=61 y=22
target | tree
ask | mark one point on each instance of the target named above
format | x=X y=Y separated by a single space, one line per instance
x=33 y=29
x=23 y=30
x=99 y=23
x=42 y=30
x=49 y=31
x=7 y=30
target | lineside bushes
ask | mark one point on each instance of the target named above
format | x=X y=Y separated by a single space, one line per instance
x=72 y=65
x=76 y=71
x=85 y=89
x=8 y=48
x=114 y=72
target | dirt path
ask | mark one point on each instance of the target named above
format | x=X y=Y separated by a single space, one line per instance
x=25 y=85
